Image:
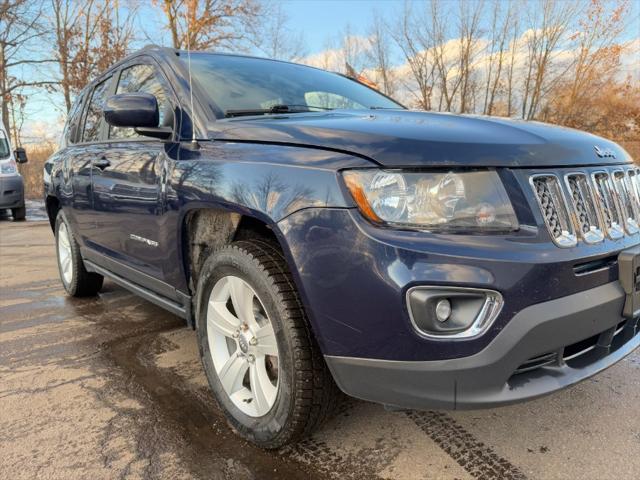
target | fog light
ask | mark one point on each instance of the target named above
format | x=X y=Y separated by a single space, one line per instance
x=452 y=312
x=443 y=310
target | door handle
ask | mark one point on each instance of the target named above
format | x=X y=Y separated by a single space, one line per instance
x=101 y=163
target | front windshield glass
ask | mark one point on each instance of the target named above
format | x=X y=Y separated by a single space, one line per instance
x=4 y=145
x=244 y=86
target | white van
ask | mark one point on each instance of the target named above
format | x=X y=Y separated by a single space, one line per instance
x=11 y=184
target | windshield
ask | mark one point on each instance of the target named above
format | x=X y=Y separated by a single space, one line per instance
x=241 y=85
x=4 y=145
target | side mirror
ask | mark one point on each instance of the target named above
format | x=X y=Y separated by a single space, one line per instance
x=135 y=110
x=20 y=155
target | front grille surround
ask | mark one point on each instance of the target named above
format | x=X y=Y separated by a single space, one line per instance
x=589 y=204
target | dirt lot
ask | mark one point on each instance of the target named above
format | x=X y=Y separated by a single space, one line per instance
x=112 y=387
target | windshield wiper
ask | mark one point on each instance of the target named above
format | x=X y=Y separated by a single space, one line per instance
x=290 y=108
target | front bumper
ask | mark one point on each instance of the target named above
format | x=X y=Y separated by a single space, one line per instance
x=11 y=192
x=544 y=348
x=353 y=279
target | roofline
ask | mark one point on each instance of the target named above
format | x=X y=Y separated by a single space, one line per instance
x=179 y=52
x=176 y=53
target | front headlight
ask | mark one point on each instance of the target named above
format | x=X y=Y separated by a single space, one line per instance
x=8 y=168
x=444 y=201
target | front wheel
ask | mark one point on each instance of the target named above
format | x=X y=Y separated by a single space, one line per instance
x=75 y=279
x=261 y=361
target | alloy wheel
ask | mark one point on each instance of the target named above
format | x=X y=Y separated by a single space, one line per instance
x=64 y=253
x=243 y=347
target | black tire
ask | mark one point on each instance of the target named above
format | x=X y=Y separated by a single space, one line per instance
x=19 y=213
x=307 y=394
x=82 y=283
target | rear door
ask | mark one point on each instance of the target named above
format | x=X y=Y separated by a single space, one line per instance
x=128 y=185
x=82 y=134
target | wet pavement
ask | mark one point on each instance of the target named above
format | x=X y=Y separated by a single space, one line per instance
x=112 y=387
x=35 y=211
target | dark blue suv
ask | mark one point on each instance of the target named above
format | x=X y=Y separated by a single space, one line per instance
x=317 y=235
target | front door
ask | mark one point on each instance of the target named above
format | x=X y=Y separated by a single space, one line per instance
x=128 y=187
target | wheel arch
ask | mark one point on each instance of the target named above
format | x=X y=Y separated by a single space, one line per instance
x=52 y=205
x=206 y=229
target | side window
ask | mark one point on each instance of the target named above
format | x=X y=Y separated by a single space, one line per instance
x=91 y=131
x=73 y=119
x=142 y=78
x=5 y=151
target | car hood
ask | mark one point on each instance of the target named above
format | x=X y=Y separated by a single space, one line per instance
x=404 y=138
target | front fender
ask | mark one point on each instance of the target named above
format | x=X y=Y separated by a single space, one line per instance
x=264 y=182
x=269 y=182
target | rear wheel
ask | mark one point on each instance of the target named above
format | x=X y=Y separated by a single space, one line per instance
x=261 y=361
x=18 y=213
x=75 y=278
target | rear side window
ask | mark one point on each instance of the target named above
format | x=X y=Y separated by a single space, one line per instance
x=142 y=78
x=92 y=120
x=73 y=120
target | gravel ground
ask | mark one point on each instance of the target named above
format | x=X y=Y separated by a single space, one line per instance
x=112 y=387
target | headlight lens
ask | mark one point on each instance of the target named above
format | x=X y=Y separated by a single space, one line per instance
x=8 y=168
x=452 y=201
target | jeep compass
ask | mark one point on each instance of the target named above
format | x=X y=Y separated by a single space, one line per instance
x=319 y=237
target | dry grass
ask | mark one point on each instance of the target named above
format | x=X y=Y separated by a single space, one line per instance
x=633 y=148
x=32 y=170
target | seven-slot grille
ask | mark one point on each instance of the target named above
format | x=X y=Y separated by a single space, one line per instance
x=588 y=206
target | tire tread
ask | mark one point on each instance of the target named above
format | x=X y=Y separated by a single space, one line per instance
x=317 y=395
x=83 y=283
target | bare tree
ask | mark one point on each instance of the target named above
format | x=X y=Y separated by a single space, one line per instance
x=414 y=40
x=65 y=19
x=353 y=51
x=115 y=34
x=597 y=58
x=439 y=64
x=89 y=37
x=379 y=56
x=207 y=24
x=18 y=116
x=469 y=29
x=513 y=49
x=500 y=28
x=275 y=38
x=437 y=38
x=547 y=27
x=21 y=29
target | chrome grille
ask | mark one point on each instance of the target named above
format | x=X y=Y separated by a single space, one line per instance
x=607 y=205
x=584 y=209
x=589 y=205
x=551 y=201
x=626 y=204
x=634 y=177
